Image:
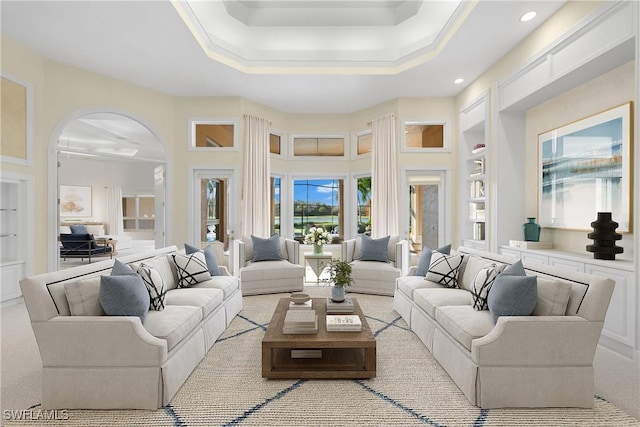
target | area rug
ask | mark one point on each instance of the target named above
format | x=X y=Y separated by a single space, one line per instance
x=411 y=388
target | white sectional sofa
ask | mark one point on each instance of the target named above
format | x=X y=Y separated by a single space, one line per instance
x=541 y=360
x=91 y=360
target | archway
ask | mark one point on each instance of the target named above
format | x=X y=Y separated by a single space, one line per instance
x=101 y=150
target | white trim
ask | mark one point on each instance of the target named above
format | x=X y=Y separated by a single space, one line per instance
x=191 y=133
x=446 y=148
x=193 y=194
x=53 y=220
x=29 y=131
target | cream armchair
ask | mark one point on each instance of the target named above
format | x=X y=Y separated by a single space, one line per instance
x=376 y=277
x=267 y=276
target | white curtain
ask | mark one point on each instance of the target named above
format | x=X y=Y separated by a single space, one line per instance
x=384 y=181
x=114 y=210
x=257 y=174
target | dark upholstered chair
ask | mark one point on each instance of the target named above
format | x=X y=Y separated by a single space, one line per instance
x=83 y=246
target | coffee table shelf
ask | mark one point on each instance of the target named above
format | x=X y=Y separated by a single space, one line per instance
x=346 y=355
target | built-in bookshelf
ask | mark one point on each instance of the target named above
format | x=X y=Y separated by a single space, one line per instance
x=473 y=138
x=12 y=236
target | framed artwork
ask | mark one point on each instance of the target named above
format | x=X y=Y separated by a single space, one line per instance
x=16 y=121
x=75 y=201
x=585 y=167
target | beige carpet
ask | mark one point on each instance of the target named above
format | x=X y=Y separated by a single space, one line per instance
x=410 y=388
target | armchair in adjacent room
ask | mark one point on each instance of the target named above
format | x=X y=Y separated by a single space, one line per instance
x=267 y=265
x=376 y=263
x=83 y=246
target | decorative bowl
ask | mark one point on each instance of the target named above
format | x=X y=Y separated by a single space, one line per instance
x=299 y=298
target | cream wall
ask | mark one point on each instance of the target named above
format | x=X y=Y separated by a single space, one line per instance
x=609 y=90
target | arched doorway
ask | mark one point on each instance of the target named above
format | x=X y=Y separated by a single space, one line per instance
x=109 y=156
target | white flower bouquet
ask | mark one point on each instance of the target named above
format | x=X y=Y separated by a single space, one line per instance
x=317 y=236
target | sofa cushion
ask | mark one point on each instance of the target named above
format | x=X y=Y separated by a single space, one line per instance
x=209 y=256
x=472 y=266
x=374 y=249
x=269 y=270
x=206 y=299
x=429 y=299
x=425 y=258
x=553 y=297
x=174 y=323
x=408 y=284
x=124 y=295
x=266 y=249
x=464 y=323
x=155 y=286
x=191 y=269
x=481 y=286
x=512 y=296
x=378 y=271
x=96 y=230
x=391 y=248
x=83 y=297
x=227 y=284
x=444 y=269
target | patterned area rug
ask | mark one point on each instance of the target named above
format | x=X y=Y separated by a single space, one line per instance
x=410 y=389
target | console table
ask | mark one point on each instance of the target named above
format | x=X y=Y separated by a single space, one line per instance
x=317 y=262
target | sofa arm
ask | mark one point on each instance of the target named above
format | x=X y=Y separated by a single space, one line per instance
x=98 y=341
x=402 y=257
x=239 y=257
x=538 y=341
x=348 y=248
x=224 y=271
x=293 y=251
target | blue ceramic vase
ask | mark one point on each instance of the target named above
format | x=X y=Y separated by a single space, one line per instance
x=531 y=230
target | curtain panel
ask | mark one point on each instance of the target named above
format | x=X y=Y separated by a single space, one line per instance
x=114 y=211
x=257 y=172
x=384 y=180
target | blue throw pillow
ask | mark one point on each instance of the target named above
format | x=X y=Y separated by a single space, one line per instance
x=209 y=256
x=374 y=249
x=512 y=296
x=78 y=229
x=515 y=269
x=120 y=269
x=425 y=258
x=266 y=249
x=124 y=295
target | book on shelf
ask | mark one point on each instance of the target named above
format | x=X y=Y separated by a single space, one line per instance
x=343 y=323
x=478 y=231
x=304 y=306
x=477 y=189
x=340 y=307
x=304 y=353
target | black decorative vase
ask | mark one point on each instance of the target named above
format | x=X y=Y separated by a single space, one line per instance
x=604 y=237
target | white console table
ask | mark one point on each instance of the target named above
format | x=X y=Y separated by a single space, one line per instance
x=317 y=262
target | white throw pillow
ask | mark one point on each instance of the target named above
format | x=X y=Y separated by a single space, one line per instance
x=83 y=297
x=553 y=297
x=481 y=286
x=191 y=269
x=155 y=285
x=444 y=269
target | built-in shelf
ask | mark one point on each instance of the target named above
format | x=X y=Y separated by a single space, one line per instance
x=12 y=236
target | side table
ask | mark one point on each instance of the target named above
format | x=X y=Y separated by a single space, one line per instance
x=318 y=262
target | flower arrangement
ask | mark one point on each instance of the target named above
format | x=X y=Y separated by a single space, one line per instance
x=317 y=236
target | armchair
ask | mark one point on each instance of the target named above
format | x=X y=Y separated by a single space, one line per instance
x=83 y=246
x=281 y=273
x=376 y=277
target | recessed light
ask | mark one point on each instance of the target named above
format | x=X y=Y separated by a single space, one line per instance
x=458 y=81
x=528 y=16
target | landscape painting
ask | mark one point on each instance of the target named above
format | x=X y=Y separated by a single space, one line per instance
x=585 y=168
x=75 y=201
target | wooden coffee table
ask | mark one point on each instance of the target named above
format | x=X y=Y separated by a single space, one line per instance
x=337 y=354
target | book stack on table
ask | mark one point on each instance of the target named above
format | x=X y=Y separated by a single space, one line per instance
x=300 y=322
x=304 y=306
x=343 y=323
x=345 y=306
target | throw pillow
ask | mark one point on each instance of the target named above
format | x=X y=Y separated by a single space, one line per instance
x=78 y=229
x=120 y=269
x=481 y=285
x=124 y=296
x=444 y=269
x=155 y=286
x=425 y=258
x=266 y=249
x=83 y=297
x=374 y=249
x=512 y=296
x=553 y=297
x=515 y=269
x=191 y=269
x=209 y=256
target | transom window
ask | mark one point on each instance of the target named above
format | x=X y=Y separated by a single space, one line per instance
x=320 y=146
x=363 y=143
x=419 y=136
x=213 y=135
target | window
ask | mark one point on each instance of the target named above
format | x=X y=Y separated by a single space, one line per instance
x=213 y=135
x=276 y=185
x=364 y=204
x=212 y=203
x=419 y=136
x=138 y=212
x=363 y=143
x=313 y=146
x=318 y=203
x=275 y=144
